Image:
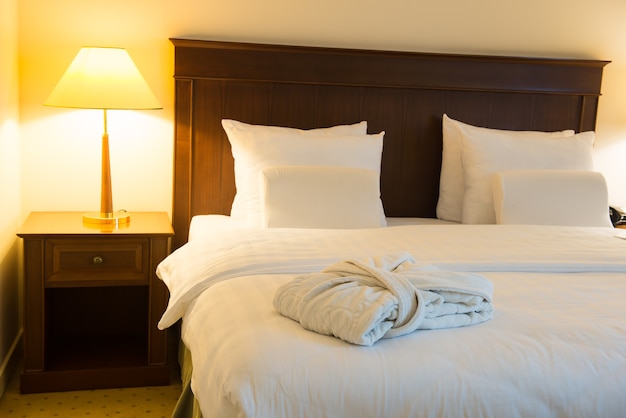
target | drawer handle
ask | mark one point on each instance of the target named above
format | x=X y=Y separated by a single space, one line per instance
x=98 y=260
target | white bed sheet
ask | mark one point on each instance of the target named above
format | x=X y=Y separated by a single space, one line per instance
x=201 y=225
x=556 y=346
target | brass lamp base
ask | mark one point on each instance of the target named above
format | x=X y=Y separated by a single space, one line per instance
x=98 y=218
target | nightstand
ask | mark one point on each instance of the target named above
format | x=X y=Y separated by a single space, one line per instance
x=92 y=302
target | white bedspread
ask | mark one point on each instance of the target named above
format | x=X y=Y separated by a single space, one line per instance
x=556 y=346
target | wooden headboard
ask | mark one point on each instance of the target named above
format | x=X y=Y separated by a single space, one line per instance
x=404 y=94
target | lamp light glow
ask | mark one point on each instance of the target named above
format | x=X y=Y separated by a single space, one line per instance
x=103 y=78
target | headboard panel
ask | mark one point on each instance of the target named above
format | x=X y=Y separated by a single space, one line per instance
x=404 y=94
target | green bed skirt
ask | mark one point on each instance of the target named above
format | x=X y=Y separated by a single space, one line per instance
x=187 y=406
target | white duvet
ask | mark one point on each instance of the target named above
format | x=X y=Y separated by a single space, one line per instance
x=556 y=346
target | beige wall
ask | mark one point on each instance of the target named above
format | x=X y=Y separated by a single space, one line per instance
x=61 y=147
x=10 y=323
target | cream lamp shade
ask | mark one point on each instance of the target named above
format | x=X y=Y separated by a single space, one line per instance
x=103 y=78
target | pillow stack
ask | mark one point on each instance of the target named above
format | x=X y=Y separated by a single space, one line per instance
x=288 y=177
x=473 y=155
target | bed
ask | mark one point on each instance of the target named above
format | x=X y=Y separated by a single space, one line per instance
x=470 y=186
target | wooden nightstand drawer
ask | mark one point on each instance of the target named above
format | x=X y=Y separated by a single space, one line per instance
x=96 y=262
x=92 y=302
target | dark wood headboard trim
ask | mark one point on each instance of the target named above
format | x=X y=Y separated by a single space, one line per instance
x=214 y=80
x=333 y=66
x=182 y=155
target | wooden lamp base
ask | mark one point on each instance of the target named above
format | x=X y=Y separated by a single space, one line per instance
x=106 y=216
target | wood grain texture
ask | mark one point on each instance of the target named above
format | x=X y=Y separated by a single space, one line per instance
x=404 y=94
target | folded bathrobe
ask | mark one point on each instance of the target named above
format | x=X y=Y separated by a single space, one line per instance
x=384 y=297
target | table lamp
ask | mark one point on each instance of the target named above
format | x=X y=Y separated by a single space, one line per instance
x=103 y=78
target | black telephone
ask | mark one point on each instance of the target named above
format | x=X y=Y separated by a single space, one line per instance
x=617 y=215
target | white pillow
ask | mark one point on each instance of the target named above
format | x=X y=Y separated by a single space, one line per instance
x=452 y=184
x=254 y=149
x=235 y=128
x=485 y=155
x=360 y=128
x=551 y=197
x=320 y=197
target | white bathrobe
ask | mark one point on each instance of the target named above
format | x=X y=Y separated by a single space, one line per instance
x=384 y=297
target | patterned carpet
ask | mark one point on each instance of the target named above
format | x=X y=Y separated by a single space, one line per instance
x=151 y=402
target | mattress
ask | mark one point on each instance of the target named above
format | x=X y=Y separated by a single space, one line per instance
x=555 y=347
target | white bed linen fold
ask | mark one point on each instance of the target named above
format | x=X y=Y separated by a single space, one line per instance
x=231 y=253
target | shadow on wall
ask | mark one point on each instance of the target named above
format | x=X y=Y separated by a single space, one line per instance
x=11 y=291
